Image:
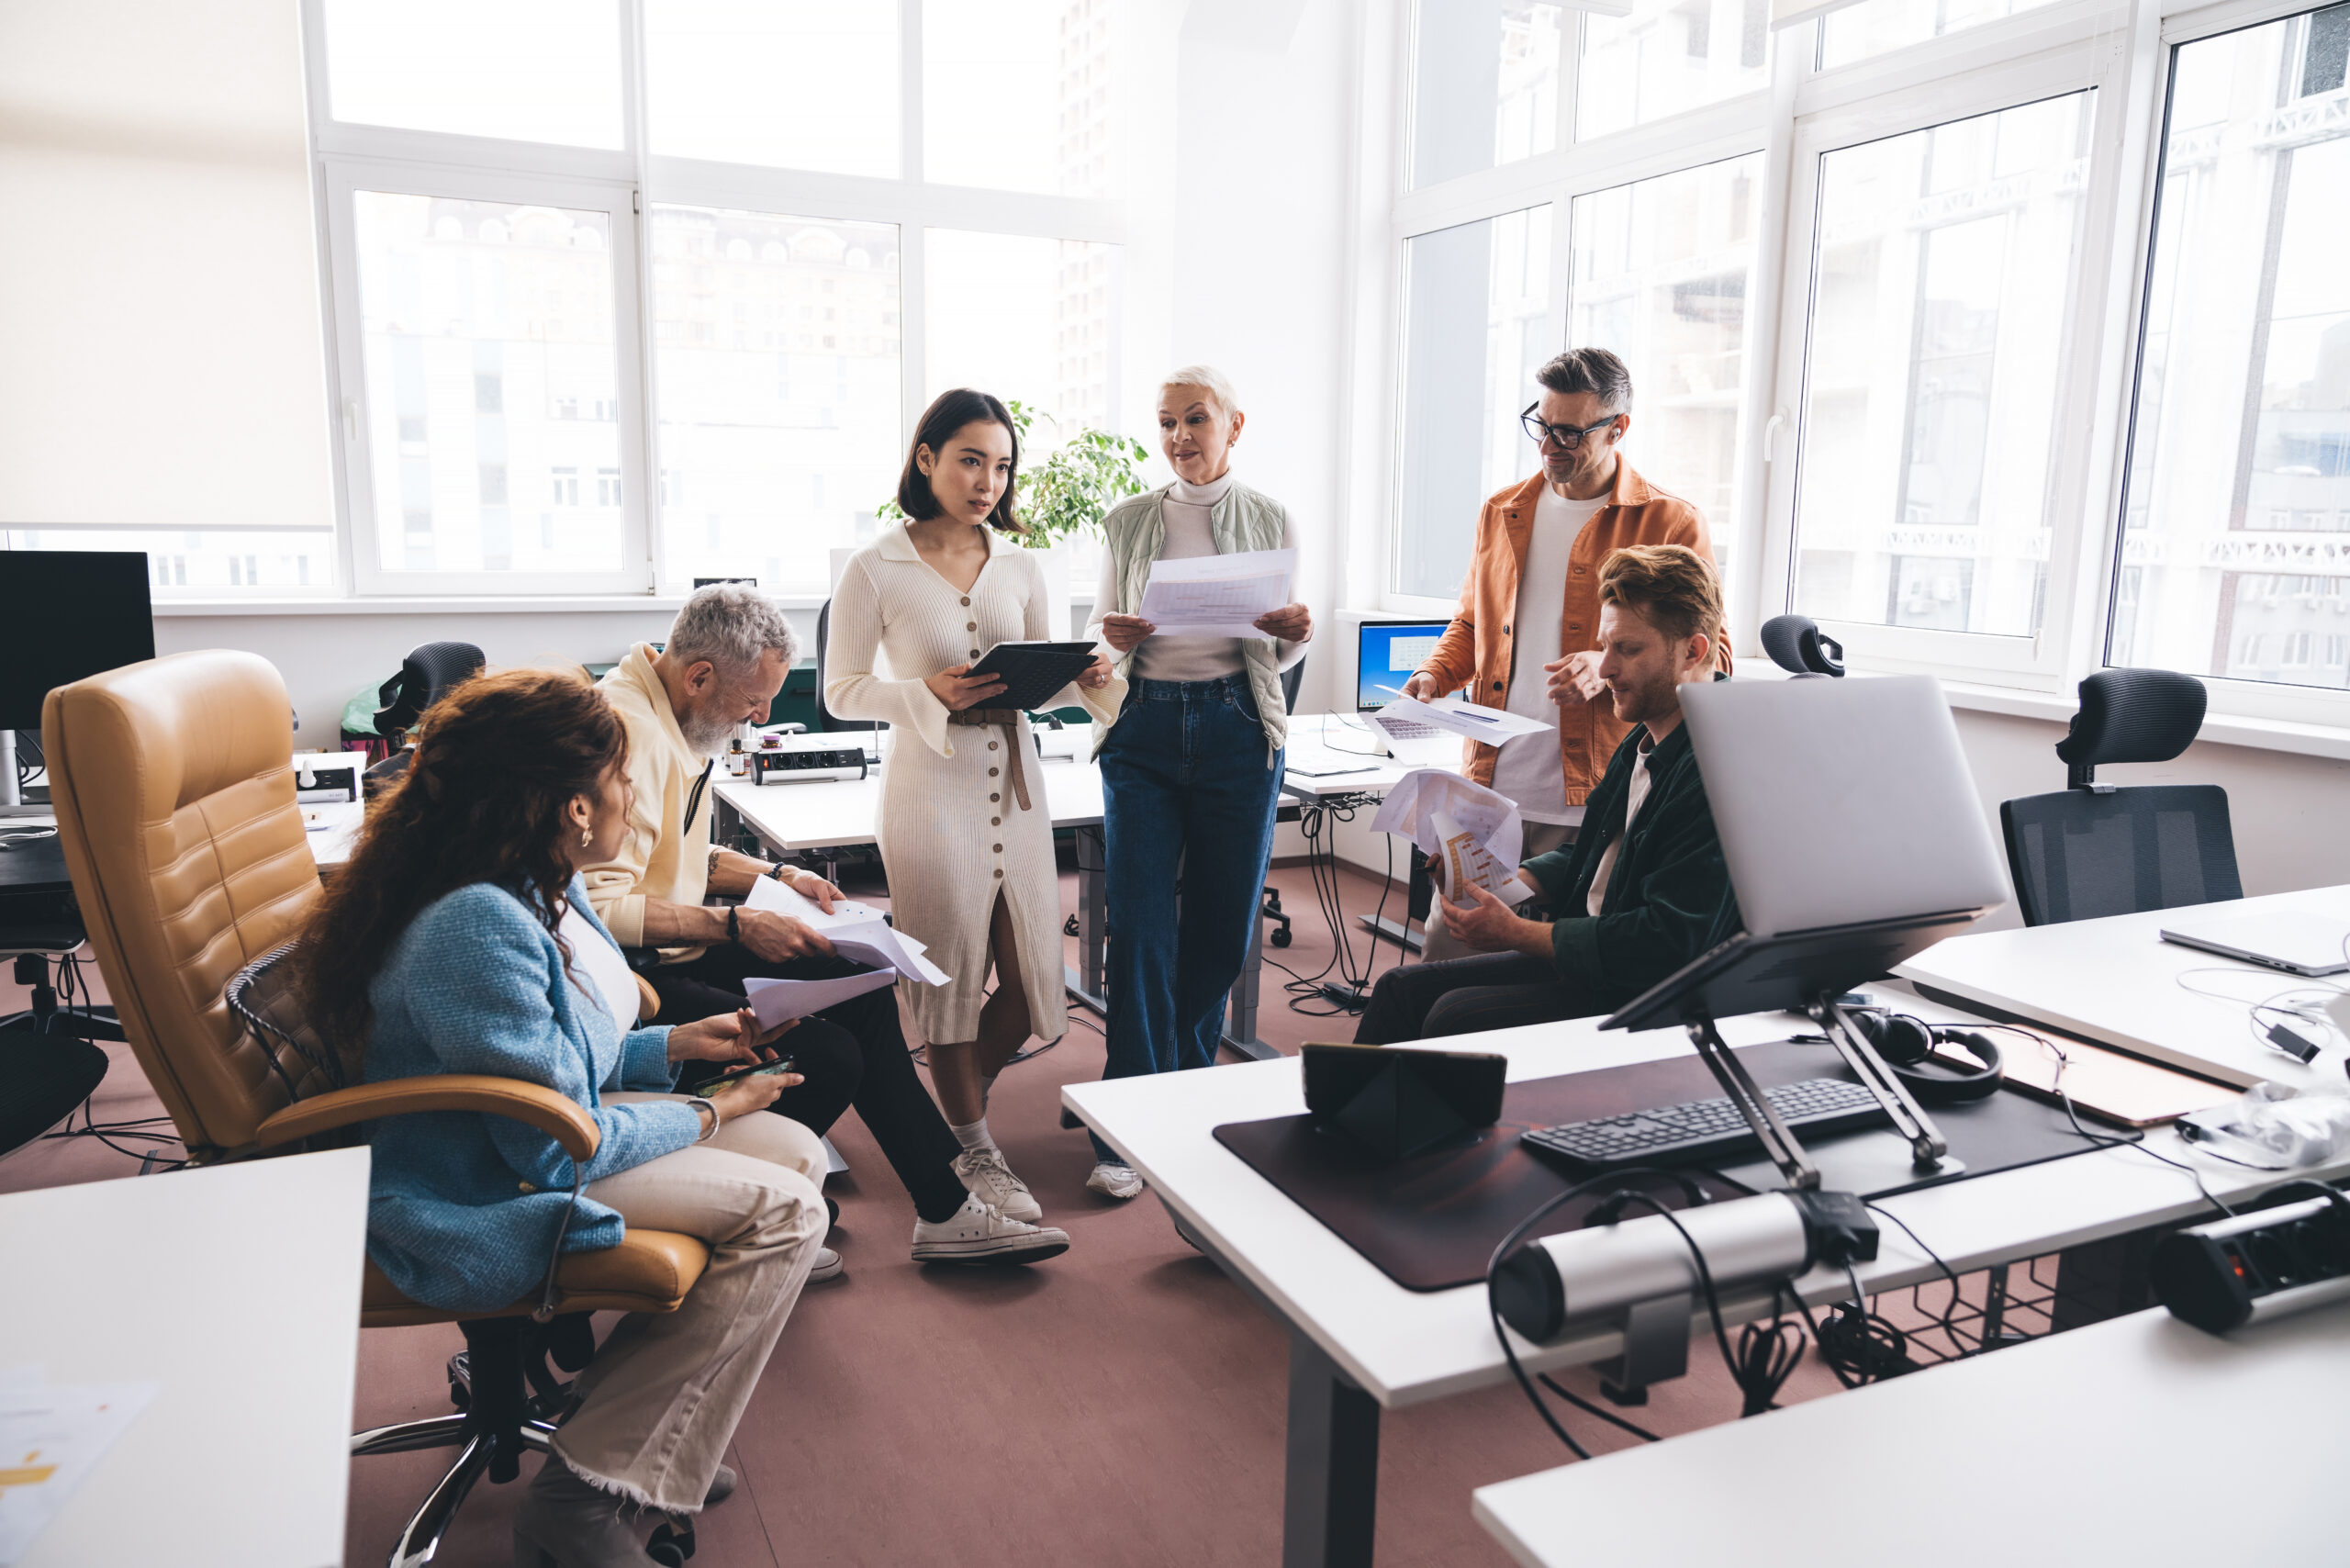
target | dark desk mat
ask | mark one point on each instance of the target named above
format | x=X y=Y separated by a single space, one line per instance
x=1432 y=1222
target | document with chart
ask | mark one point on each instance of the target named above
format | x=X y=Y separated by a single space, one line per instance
x=1430 y=806
x=1217 y=596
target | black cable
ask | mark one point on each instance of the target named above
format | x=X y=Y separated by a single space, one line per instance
x=1948 y=1320
x=1579 y=1403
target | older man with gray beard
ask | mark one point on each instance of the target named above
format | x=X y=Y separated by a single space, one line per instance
x=725 y=659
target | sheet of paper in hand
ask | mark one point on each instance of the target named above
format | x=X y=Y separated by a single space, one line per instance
x=1468 y=863
x=856 y=931
x=1491 y=725
x=1410 y=808
x=1217 y=596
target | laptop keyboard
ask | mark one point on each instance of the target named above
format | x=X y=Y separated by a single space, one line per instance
x=1408 y=729
x=1706 y=1129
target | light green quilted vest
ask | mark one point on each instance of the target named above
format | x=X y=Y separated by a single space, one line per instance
x=1243 y=520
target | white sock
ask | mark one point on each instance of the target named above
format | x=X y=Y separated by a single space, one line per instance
x=974 y=1136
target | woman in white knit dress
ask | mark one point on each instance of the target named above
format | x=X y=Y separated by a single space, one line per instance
x=970 y=859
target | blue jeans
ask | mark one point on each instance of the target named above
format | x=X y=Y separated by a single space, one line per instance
x=1186 y=795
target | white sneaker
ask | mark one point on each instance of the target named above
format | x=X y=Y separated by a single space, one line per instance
x=990 y=1180
x=1113 y=1179
x=977 y=1233
x=828 y=1267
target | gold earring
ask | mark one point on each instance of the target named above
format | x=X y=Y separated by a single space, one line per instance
x=586 y=839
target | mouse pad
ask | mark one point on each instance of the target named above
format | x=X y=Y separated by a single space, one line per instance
x=1431 y=1221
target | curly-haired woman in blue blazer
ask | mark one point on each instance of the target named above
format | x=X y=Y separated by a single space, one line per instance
x=459 y=939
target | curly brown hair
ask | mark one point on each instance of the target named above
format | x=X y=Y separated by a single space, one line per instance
x=498 y=760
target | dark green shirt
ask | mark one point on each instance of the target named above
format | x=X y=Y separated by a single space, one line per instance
x=1668 y=898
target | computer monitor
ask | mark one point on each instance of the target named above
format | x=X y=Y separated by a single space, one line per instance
x=65 y=614
x=1387 y=654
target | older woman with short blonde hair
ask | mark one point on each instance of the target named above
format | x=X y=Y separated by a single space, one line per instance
x=1193 y=759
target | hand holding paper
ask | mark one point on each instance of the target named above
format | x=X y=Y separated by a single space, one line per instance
x=1217 y=596
x=1468 y=863
x=856 y=931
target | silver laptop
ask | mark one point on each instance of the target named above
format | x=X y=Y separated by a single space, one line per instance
x=2297 y=942
x=1840 y=802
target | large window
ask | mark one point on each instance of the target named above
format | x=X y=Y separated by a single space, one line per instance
x=1476 y=330
x=1943 y=272
x=619 y=292
x=1660 y=272
x=2235 y=555
x=1666 y=57
x=1487 y=84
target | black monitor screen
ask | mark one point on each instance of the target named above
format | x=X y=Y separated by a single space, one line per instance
x=65 y=614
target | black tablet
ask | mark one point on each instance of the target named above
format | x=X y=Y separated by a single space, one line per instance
x=1032 y=673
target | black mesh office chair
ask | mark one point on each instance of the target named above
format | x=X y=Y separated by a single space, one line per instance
x=825 y=717
x=426 y=675
x=1291 y=678
x=2097 y=849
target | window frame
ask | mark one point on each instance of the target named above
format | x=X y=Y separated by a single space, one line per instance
x=346 y=157
x=2120 y=47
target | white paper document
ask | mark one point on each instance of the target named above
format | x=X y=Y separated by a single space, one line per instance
x=51 y=1436
x=1470 y=830
x=856 y=931
x=1468 y=863
x=1492 y=725
x=1217 y=596
x=777 y=1000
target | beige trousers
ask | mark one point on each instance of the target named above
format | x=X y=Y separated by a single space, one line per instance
x=1437 y=944
x=660 y=1401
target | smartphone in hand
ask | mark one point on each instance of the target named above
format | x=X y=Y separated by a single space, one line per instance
x=764 y=1069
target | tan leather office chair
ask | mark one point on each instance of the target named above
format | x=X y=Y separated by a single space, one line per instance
x=173 y=785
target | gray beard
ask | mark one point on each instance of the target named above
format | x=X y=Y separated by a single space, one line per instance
x=706 y=735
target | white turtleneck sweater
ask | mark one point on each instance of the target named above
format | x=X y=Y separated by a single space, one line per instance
x=1187 y=508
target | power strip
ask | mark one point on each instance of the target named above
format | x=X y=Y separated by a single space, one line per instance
x=2263 y=1264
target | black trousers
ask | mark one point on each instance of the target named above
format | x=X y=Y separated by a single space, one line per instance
x=854 y=1054
x=1461 y=996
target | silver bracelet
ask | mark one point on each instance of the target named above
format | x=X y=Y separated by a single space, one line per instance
x=710 y=1131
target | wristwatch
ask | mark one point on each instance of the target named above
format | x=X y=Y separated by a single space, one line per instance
x=733 y=922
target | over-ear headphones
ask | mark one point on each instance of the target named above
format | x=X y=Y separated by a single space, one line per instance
x=1904 y=1043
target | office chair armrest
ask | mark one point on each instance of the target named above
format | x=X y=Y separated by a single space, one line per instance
x=648 y=1001
x=560 y=1118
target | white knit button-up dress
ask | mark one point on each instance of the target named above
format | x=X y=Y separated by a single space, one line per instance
x=952 y=832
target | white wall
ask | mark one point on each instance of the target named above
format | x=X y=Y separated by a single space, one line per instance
x=160 y=352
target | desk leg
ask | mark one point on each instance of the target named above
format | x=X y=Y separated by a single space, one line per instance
x=1240 y=1003
x=1092 y=917
x=1329 y=1512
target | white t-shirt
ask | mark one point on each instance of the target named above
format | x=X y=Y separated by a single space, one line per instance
x=599 y=970
x=1632 y=804
x=1528 y=770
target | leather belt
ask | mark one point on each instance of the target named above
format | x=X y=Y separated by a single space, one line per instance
x=985 y=718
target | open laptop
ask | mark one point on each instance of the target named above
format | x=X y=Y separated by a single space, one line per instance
x=2295 y=941
x=1852 y=832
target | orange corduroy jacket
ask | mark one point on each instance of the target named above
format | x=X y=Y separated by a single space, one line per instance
x=1478 y=650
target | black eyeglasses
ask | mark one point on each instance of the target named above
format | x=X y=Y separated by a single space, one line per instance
x=1569 y=437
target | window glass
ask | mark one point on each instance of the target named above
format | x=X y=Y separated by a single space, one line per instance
x=2235 y=545
x=1940 y=305
x=775 y=360
x=1017 y=95
x=487 y=339
x=1666 y=57
x=1484 y=85
x=1024 y=319
x=789 y=84
x=1476 y=303
x=1876 y=26
x=1658 y=274
x=189 y=564
x=527 y=70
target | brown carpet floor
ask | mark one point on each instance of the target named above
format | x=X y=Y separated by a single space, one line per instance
x=1122 y=1405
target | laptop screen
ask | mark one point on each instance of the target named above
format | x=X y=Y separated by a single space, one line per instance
x=1387 y=652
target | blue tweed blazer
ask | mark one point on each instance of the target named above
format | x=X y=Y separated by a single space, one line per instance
x=462 y=1206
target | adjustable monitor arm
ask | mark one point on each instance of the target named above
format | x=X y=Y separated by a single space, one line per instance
x=1927 y=1144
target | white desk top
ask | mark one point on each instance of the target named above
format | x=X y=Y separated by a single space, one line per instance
x=838 y=813
x=1343 y=741
x=333 y=829
x=236 y=1291
x=2137 y=1440
x=1405 y=1347
x=2117 y=980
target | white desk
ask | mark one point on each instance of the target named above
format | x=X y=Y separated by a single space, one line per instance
x=2135 y=1441
x=236 y=1291
x=2116 y=981
x=333 y=829
x=1360 y=1342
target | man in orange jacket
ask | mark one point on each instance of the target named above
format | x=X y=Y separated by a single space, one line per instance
x=1526 y=635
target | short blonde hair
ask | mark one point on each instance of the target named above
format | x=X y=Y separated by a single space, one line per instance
x=1671 y=586
x=1218 y=386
